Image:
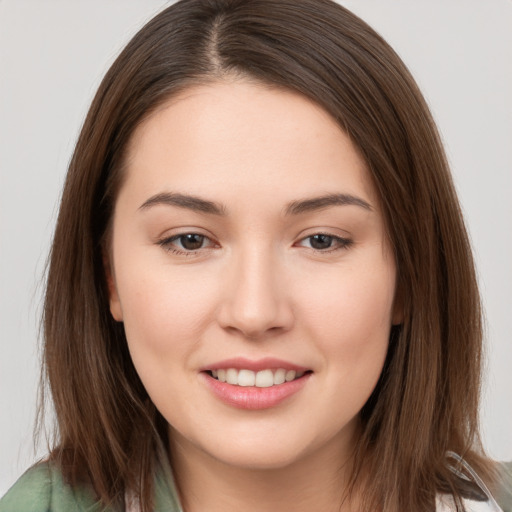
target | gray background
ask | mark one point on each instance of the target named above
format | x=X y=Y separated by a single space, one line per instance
x=52 y=57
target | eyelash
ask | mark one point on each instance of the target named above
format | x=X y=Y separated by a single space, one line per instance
x=340 y=242
x=166 y=243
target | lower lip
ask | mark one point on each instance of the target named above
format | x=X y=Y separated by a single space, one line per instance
x=252 y=397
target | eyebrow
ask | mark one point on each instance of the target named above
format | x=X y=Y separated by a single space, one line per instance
x=184 y=201
x=319 y=203
x=298 y=207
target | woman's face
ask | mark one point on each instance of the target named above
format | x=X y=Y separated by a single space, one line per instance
x=248 y=245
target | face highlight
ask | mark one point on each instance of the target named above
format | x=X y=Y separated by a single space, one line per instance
x=251 y=270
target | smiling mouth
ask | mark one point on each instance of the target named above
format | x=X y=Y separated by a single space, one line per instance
x=261 y=379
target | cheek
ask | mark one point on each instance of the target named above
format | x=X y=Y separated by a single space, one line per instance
x=163 y=313
x=164 y=318
x=353 y=306
x=350 y=320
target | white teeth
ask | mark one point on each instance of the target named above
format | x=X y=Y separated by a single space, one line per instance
x=279 y=376
x=261 y=379
x=290 y=375
x=264 y=379
x=246 y=378
x=231 y=376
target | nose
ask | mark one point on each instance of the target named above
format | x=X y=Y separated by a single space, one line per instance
x=255 y=300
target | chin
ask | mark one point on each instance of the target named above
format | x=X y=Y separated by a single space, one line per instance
x=258 y=459
x=268 y=452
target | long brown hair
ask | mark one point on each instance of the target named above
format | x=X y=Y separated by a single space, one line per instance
x=426 y=401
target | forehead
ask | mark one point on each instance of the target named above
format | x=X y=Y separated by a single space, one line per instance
x=243 y=134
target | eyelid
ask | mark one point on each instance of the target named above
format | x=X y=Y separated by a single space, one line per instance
x=342 y=242
x=166 y=241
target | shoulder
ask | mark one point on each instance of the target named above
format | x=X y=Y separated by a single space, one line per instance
x=43 y=489
x=504 y=492
x=32 y=492
x=500 y=500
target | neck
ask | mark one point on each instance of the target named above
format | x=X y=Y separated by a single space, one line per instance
x=315 y=482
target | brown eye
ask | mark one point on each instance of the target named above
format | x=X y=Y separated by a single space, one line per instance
x=323 y=242
x=320 y=242
x=186 y=243
x=191 y=241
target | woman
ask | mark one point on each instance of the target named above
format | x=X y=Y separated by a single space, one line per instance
x=260 y=278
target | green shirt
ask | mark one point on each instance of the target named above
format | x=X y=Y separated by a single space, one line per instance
x=42 y=489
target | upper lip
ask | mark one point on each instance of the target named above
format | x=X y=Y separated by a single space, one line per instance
x=241 y=363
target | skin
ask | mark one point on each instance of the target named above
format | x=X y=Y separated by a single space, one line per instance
x=255 y=288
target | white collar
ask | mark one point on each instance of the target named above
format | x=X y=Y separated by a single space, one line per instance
x=446 y=503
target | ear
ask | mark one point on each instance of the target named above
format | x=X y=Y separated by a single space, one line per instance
x=115 y=304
